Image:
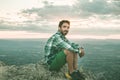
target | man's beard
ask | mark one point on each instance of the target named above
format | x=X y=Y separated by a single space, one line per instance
x=65 y=32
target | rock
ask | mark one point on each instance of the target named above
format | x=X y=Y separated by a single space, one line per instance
x=36 y=71
x=2 y=70
x=2 y=63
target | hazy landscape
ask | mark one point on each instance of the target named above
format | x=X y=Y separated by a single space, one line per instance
x=25 y=26
x=102 y=57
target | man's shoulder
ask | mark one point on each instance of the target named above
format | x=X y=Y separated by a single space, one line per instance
x=55 y=35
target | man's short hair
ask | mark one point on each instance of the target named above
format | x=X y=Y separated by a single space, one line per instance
x=63 y=21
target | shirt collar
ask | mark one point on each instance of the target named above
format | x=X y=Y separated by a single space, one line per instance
x=58 y=32
x=63 y=36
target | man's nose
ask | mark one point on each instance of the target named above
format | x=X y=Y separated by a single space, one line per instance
x=67 y=29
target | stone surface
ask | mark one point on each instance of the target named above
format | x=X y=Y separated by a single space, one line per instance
x=36 y=71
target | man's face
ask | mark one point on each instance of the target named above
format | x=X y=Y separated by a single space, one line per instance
x=64 y=29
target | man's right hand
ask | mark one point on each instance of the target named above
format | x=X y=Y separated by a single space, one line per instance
x=82 y=53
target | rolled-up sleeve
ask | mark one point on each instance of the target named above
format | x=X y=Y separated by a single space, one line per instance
x=62 y=44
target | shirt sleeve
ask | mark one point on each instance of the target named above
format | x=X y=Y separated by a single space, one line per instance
x=74 y=45
x=63 y=44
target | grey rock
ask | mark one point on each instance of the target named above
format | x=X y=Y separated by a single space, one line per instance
x=36 y=71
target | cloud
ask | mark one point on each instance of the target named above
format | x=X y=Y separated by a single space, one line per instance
x=82 y=8
x=95 y=31
x=100 y=7
x=95 y=17
x=29 y=27
x=49 y=12
x=82 y=27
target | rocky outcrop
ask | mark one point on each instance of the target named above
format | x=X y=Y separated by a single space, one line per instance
x=37 y=71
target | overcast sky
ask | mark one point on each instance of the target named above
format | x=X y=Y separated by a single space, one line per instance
x=39 y=18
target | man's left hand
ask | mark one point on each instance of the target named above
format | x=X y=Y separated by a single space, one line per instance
x=82 y=53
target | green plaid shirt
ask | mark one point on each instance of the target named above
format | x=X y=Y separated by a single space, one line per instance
x=58 y=42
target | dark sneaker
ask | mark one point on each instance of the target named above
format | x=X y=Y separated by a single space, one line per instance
x=74 y=76
x=80 y=75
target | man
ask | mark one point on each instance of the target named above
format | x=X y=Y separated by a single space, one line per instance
x=59 y=50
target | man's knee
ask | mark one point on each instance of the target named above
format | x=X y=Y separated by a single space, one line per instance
x=66 y=51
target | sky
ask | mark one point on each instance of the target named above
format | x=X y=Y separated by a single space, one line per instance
x=96 y=19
